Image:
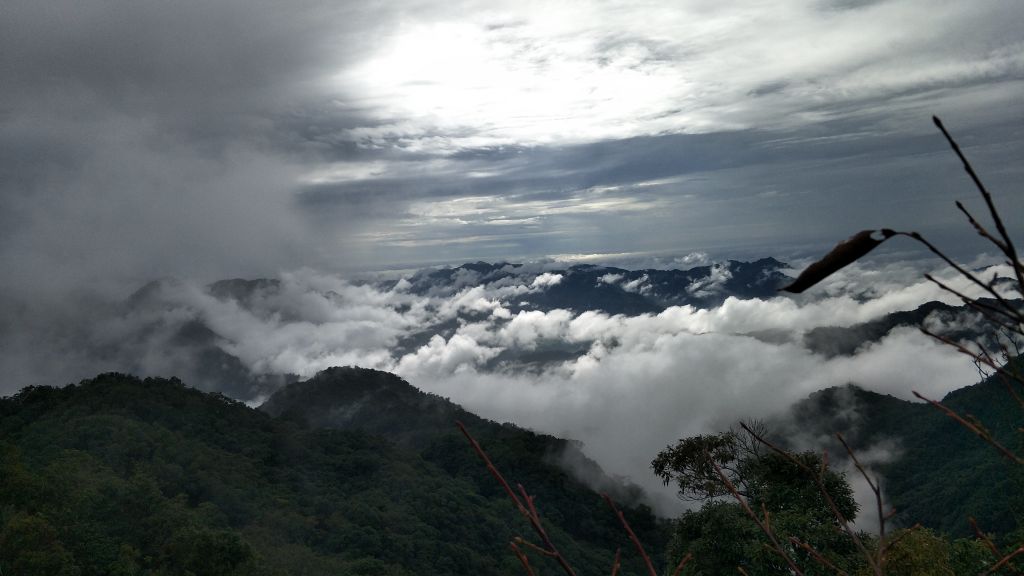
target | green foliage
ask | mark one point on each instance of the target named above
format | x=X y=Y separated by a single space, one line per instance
x=691 y=465
x=920 y=550
x=722 y=536
x=118 y=475
x=31 y=546
x=941 y=473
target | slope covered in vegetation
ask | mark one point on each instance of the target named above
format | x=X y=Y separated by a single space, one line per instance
x=119 y=475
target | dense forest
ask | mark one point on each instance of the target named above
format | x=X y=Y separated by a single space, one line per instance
x=941 y=480
x=356 y=472
x=118 y=475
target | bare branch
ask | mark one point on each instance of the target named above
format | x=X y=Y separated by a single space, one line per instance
x=960 y=269
x=682 y=564
x=632 y=535
x=981 y=432
x=844 y=523
x=817 y=556
x=763 y=525
x=528 y=510
x=1007 y=244
x=1005 y=560
x=616 y=563
x=522 y=559
x=875 y=487
x=492 y=469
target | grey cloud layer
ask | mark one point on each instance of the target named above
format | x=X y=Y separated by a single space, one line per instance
x=142 y=139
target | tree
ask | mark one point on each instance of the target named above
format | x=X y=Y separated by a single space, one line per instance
x=30 y=546
x=691 y=464
x=722 y=536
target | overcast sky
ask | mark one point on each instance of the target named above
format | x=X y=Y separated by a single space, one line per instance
x=141 y=138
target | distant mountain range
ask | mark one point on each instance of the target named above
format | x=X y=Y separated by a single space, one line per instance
x=166 y=317
x=613 y=290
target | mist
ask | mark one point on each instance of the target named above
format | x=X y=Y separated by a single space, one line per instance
x=625 y=386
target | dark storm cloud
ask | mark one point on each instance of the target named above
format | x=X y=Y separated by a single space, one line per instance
x=141 y=139
x=199 y=67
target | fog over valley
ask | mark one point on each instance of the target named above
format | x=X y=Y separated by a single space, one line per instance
x=623 y=360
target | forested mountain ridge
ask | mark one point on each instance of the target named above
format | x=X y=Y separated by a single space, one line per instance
x=118 y=475
x=357 y=472
x=382 y=404
x=934 y=471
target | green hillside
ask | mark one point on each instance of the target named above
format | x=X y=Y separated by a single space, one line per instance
x=119 y=475
x=940 y=474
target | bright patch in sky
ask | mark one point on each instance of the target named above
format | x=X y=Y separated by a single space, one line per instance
x=590 y=71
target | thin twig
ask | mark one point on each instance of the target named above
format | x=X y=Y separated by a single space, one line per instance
x=616 y=563
x=528 y=510
x=935 y=250
x=873 y=484
x=844 y=523
x=903 y=535
x=766 y=528
x=982 y=357
x=632 y=535
x=1005 y=560
x=682 y=564
x=492 y=469
x=1008 y=311
x=522 y=558
x=538 y=549
x=817 y=556
x=984 y=537
x=982 y=433
x=1007 y=244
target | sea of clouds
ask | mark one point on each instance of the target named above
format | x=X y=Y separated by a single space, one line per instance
x=626 y=386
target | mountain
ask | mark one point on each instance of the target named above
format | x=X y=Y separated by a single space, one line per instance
x=609 y=289
x=933 y=470
x=119 y=475
x=382 y=404
x=205 y=334
x=958 y=323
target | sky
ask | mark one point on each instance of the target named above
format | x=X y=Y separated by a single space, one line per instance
x=141 y=139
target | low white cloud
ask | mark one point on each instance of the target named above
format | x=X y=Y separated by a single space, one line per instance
x=712 y=284
x=546 y=279
x=639 y=285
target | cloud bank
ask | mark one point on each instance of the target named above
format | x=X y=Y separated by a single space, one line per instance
x=624 y=385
